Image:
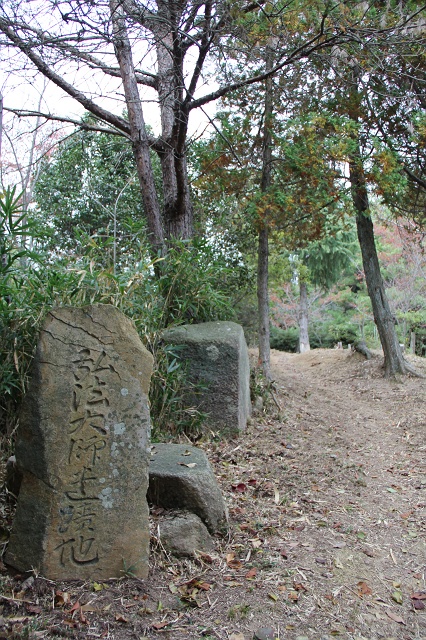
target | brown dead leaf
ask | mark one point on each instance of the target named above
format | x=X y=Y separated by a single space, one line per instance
x=204 y=586
x=240 y=487
x=395 y=617
x=236 y=636
x=83 y=618
x=120 y=618
x=88 y=607
x=62 y=598
x=33 y=608
x=190 y=465
x=70 y=623
x=205 y=557
x=159 y=625
x=364 y=589
x=232 y=561
x=251 y=574
x=418 y=600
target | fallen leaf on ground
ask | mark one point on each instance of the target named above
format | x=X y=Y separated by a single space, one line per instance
x=395 y=617
x=251 y=574
x=88 y=607
x=418 y=599
x=232 y=562
x=205 y=557
x=33 y=608
x=364 y=589
x=120 y=618
x=236 y=636
x=159 y=625
x=62 y=598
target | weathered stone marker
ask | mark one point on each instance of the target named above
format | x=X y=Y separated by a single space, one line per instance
x=83 y=448
x=180 y=477
x=218 y=365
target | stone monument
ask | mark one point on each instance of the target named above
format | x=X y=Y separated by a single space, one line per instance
x=83 y=448
x=218 y=371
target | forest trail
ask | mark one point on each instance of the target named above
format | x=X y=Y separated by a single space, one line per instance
x=327 y=526
x=339 y=502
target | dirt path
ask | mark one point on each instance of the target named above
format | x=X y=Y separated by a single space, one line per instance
x=327 y=512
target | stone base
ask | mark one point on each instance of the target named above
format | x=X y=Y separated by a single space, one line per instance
x=181 y=477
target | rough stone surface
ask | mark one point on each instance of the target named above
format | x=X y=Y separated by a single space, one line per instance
x=83 y=448
x=181 y=477
x=217 y=362
x=184 y=534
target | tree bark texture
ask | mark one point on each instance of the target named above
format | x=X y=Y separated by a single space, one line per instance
x=178 y=209
x=263 y=239
x=263 y=302
x=140 y=144
x=304 y=345
x=393 y=359
x=394 y=362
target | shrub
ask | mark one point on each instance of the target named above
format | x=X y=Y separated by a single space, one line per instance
x=284 y=339
x=190 y=284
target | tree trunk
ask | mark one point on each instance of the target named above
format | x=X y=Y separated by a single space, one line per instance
x=177 y=207
x=393 y=359
x=304 y=345
x=140 y=144
x=263 y=302
x=263 y=240
x=413 y=343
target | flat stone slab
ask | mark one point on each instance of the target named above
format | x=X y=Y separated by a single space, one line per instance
x=83 y=448
x=218 y=370
x=180 y=477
